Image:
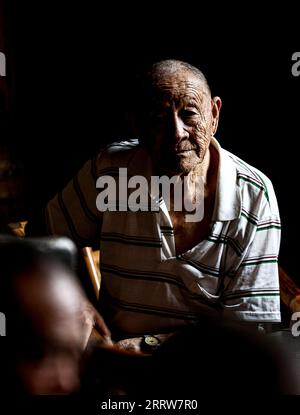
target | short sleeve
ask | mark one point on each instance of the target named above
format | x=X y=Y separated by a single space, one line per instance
x=73 y=211
x=253 y=291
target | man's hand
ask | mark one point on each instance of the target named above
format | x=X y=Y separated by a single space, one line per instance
x=93 y=324
x=130 y=345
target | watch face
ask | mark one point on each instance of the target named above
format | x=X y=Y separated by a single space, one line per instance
x=149 y=343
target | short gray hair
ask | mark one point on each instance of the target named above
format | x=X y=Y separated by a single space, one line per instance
x=169 y=66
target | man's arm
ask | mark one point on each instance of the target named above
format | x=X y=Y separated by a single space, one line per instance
x=252 y=292
x=73 y=211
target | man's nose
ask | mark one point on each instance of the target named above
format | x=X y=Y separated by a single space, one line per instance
x=179 y=128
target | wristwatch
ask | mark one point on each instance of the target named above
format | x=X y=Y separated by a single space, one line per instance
x=149 y=343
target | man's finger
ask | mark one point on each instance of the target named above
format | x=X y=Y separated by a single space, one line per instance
x=100 y=326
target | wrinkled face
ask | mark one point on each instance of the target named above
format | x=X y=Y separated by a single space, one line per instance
x=180 y=122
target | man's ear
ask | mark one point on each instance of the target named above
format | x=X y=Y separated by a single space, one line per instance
x=216 y=104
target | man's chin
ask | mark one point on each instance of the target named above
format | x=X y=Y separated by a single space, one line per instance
x=185 y=165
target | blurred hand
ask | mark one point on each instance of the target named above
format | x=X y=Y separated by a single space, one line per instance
x=93 y=324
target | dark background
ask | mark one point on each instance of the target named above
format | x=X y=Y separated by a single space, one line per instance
x=70 y=71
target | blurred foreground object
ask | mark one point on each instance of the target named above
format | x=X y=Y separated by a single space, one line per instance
x=49 y=317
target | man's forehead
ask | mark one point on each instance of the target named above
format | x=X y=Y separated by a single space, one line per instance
x=181 y=93
x=180 y=85
x=179 y=79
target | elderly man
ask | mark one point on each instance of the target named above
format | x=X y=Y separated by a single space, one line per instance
x=161 y=269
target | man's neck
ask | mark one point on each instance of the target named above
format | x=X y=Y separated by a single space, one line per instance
x=200 y=172
x=201 y=169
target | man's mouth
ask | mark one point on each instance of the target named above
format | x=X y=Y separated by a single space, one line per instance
x=184 y=152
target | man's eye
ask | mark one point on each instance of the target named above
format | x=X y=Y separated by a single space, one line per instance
x=189 y=113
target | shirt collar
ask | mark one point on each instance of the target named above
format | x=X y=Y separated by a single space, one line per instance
x=228 y=197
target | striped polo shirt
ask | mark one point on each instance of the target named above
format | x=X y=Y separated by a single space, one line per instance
x=146 y=286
